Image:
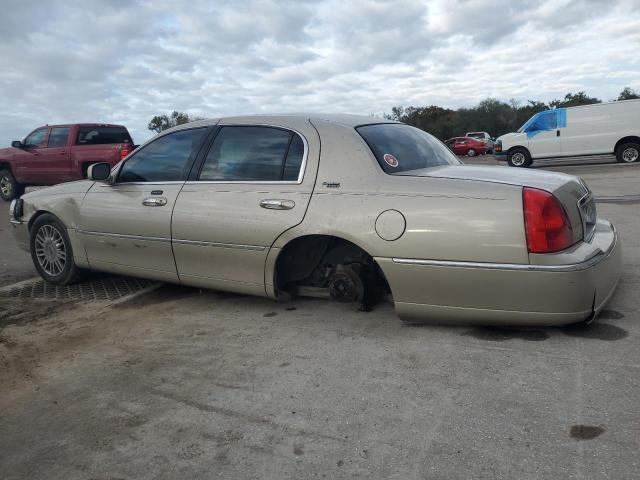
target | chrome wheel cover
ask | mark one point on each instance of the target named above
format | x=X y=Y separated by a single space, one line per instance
x=630 y=154
x=51 y=251
x=5 y=186
x=518 y=159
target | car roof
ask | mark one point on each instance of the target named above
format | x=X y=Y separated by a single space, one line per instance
x=288 y=119
x=82 y=125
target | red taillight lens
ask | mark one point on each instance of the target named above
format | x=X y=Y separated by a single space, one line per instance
x=124 y=151
x=545 y=221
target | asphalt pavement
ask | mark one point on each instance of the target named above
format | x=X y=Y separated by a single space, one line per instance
x=186 y=383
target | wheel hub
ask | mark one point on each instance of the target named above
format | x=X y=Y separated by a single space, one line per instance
x=5 y=186
x=517 y=159
x=345 y=285
x=630 y=155
x=50 y=250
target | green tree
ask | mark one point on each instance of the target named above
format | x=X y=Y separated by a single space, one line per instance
x=628 y=93
x=574 y=99
x=163 y=122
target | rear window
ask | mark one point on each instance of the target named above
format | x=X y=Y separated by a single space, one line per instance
x=400 y=148
x=476 y=135
x=102 y=135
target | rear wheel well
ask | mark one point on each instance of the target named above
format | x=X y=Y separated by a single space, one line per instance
x=313 y=260
x=629 y=139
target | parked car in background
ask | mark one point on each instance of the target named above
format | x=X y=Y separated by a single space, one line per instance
x=587 y=130
x=254 y=205
x=488 y=139
x=60 y=153
x=467 y=146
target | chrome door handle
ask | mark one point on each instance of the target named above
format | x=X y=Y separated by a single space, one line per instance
x=155 y=202
x=278 y=204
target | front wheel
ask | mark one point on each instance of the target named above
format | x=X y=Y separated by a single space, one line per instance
x=51 y=251
x=9 y=187
x=628 y=152
x=471 y=152
x=519 y=157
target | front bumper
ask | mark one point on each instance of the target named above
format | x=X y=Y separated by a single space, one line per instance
x=20 y=232
x=439 y=291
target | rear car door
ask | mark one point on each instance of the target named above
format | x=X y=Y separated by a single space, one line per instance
x=55 y=158
x=126 y=225
x=29 y=168
x=252 y=183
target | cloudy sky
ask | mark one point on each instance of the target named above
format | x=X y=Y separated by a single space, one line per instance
x=124 y=61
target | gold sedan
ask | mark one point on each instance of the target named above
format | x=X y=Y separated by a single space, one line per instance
x=353 y=208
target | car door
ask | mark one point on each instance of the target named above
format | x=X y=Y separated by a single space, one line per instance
x=253 y=183
x=543 y=135
x=126 y=225
x=55 y=158
x=29 y=166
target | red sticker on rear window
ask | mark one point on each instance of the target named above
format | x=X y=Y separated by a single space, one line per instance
x=390 y=160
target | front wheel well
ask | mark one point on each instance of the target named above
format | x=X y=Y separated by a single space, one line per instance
x=312 y=260
x=629 y=139
x=5 y=166
x=518 y=147
x=37 y=215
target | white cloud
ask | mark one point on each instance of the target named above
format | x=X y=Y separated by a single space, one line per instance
x=124 y=62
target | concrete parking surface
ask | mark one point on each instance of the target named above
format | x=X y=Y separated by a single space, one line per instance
x=183 y=383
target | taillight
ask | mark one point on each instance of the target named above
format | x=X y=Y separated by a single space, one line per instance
x=124 y=151
x=545 y=221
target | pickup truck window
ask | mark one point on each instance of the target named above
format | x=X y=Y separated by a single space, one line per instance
x=58 y=137
x=36 y=139
x=164 y=159
x=102 y=135
x=400 y=148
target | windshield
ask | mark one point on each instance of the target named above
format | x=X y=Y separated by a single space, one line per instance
x=400 y=148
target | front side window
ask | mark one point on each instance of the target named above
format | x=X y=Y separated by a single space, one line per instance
x=400 y=148
x=248 y=154
x=102 y=135
x=58 y=137
x=163 y=160
x=36 y=139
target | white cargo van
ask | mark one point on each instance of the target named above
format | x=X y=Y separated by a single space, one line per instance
x=587 y=130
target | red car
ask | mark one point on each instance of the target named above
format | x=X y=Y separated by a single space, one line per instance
x=467 y=146
x=60 y=153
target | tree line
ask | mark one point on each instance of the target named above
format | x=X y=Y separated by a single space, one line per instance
x=490 y=115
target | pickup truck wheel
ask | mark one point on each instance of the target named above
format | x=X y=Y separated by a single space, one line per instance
x=51 y=251
x=519 y=157
x=9 y=188
x=628 y=152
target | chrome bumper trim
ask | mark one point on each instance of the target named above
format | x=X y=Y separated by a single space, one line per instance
x=572 y=267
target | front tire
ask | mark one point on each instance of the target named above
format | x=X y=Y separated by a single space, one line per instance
x=51 y=251
x=9 y=187
x=471 y=152
x=628 y=152
x=519 y=157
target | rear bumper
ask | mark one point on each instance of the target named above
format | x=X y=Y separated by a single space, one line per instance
x=438 y=291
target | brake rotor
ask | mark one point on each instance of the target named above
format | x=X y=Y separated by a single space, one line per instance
x=345 y=284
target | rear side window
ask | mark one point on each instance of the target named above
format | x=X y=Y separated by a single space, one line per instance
x=58 y=137
x=249 y=154
x=400 y=148
x=102 y=135
x=163 y=160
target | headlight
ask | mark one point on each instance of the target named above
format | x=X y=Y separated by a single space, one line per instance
x=16 y=209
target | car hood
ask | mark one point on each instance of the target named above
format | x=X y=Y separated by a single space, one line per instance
x=545 y=180
x=80 y=186
x=512 y=138
x=6 y=153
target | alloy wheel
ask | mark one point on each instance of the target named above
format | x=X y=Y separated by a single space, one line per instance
x=51 y=250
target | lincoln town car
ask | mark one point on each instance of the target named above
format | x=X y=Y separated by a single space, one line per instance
x=355 y=209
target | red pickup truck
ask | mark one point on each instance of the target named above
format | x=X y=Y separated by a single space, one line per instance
x=60 y=153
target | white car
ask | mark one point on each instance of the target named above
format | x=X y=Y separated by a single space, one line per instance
x=587 y=130
x=488 y=139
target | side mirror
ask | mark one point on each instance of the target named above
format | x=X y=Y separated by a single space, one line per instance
x=99 y=172
x=17 y=144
